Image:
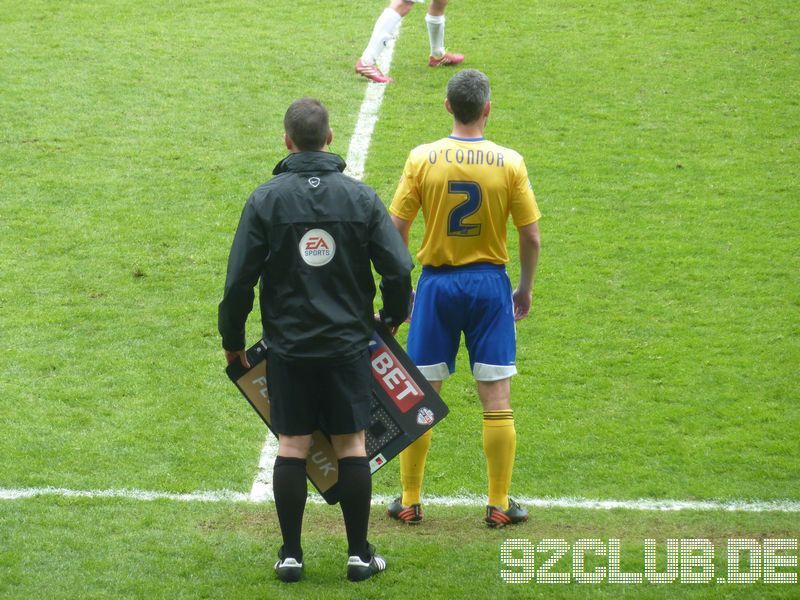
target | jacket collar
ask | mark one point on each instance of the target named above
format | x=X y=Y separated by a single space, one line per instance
x=310 y=161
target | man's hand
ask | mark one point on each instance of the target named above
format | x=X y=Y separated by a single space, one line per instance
x=411 y=305
x=392 y=328
x=529 y=244
x=241 y=355
x=522 y=304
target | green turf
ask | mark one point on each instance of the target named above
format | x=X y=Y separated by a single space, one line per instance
x=131 y=137
x=661 y=356
x=660 y=359
x=120 y=548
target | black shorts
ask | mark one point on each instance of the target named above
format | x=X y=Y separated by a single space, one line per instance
x=330 y=395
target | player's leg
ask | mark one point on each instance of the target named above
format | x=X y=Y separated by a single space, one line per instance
x=499 y=447
x=290 y=490
x=349 y=444
x=355 y=495
x=384 y=29
x=435 y=21
x=412 y=467
x=499 y=438
x=490 y=339
x=348 y=387
x=291 y=413
x=433 y=339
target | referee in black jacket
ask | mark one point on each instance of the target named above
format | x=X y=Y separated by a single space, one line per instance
x=310 y=234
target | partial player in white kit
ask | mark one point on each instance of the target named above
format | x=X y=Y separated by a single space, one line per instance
x=385 y=28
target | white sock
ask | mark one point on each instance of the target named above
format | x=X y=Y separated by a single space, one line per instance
x=436 y=34
x=384 y=30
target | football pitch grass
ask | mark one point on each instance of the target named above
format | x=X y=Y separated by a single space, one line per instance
x=660 y=361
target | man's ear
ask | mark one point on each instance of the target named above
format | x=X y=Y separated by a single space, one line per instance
x=447 y=106
x=487 y=109
x=289 y=143
x=330 y=137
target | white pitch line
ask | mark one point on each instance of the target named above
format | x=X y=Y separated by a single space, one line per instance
x=643 y=504
x=262 y=485
x=356 y=158
x=130 y=494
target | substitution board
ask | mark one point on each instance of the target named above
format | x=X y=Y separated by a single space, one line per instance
x=403 y=407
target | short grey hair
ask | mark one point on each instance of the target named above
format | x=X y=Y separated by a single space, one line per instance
x=468 y=92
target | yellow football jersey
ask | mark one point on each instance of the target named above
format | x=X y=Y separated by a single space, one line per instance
x=466 y=188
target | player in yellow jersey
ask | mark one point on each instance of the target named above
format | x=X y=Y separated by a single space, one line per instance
x=467 y=187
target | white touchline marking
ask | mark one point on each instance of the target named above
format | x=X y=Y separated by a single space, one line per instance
x=262 y=485
x=356 y=158
x=368 y=115
x=642 y=504
x=129 y=494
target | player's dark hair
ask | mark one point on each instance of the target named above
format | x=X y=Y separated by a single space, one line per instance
x=468 y=92
x=306 y=123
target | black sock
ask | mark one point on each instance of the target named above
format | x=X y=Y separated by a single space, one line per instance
x=291 y=491
x=355 y=494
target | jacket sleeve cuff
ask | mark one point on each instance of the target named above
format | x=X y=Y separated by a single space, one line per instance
x=233 y=344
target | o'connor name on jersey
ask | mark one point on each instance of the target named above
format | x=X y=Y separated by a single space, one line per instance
x=470 y=156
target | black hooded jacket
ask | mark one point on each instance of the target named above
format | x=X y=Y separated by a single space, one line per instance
x=310 y=235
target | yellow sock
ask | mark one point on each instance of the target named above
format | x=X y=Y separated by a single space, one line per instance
x=412 y=468
x=499 y=446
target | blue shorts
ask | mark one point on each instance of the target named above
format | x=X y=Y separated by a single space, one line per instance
x=475 y=299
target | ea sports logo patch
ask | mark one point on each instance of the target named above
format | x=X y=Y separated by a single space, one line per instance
x=317 y=247
x=424 y=416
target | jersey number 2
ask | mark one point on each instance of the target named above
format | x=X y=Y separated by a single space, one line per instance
x=455 y=221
